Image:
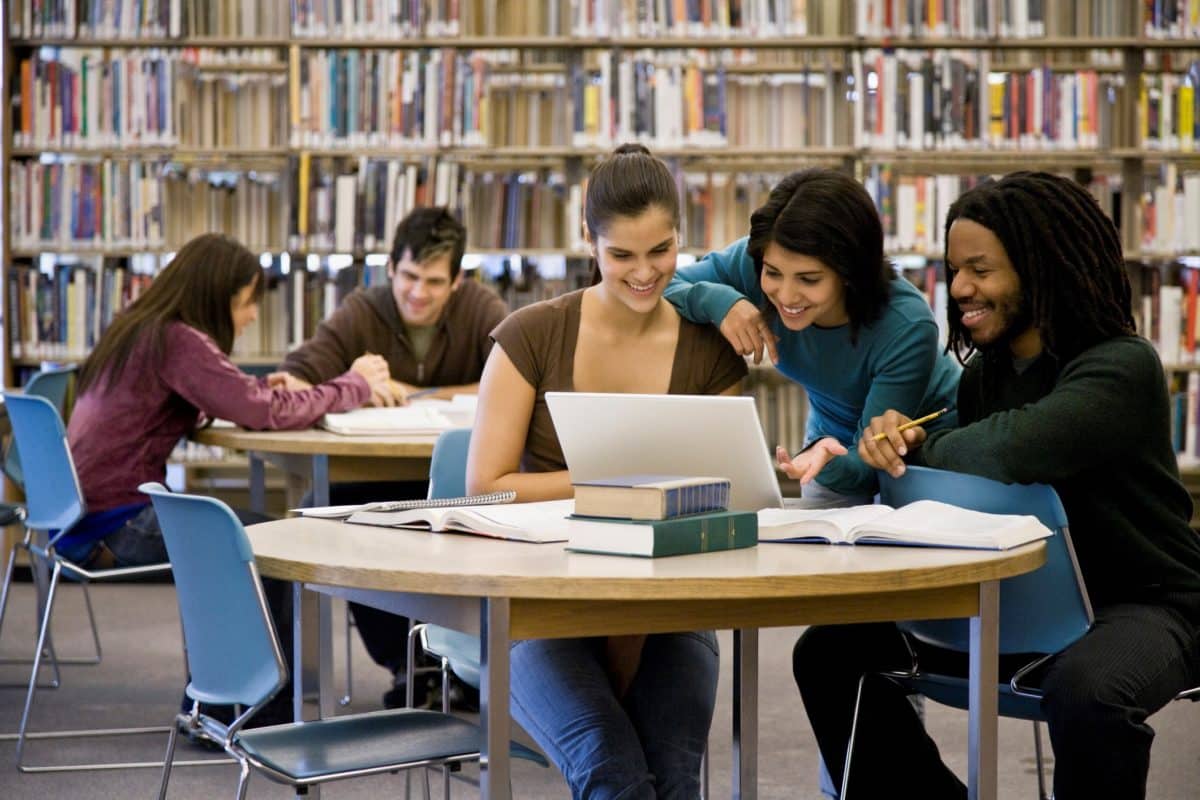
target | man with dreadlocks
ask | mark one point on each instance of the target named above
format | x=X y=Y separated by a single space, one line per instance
x=1058 y=389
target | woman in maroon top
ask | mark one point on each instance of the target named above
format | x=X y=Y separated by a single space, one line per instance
x=161 y=369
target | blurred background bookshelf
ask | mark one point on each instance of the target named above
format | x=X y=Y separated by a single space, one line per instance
x=308 y=128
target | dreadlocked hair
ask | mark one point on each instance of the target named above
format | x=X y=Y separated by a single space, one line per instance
x=1066 y=252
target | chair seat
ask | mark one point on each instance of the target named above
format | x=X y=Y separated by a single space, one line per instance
x=951 y=691
x=360 y=742
x=372 y=742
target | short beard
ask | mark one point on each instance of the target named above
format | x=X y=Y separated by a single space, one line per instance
x=1016 y=324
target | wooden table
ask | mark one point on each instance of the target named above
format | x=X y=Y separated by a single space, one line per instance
x=324 y=457
x=508 y=590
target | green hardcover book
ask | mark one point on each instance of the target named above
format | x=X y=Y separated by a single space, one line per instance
x=699 y=533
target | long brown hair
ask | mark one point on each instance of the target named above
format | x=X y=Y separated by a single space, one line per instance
x=196 y=288
x=626 y=183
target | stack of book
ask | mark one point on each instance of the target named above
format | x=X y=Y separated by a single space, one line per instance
x=658 y=515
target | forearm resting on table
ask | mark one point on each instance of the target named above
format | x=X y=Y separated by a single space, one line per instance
x=529 y=486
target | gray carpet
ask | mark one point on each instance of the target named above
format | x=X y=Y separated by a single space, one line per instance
x=141 y=679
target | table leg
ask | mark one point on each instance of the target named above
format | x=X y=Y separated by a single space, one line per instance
x=745 y=714
x=495 y=779
x=258 y=484
x=983 y=726
x=320 y=480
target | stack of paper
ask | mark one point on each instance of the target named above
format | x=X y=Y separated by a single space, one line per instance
x=388 y=421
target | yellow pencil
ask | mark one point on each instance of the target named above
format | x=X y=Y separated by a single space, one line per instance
x=879 y=437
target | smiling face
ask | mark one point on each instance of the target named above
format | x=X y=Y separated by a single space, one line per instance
x=987 y=290
x=422 y=290
x=243 y=308
x=803 y=290
x=636 y=257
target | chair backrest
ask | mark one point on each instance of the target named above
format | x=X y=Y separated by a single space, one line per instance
x=1040 y=612
x=54 y=500
x=51 y=384
x=448 y=466
x=232 y=651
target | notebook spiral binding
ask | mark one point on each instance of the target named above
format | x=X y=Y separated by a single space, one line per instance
x=493 y=498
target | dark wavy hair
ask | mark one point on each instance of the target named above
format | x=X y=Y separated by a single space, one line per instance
x=829 y=216
x=196 y=288
x=1067 y=255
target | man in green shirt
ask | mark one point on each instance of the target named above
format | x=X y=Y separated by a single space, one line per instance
x=1058 y=389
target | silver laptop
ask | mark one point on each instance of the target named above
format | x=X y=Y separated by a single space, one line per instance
x=604 y=435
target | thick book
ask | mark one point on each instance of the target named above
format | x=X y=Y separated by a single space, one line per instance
x=523 y=522
x=650 y=496
x=926 y=523
x=699 y=533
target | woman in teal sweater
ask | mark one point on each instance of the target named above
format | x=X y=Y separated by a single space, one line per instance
x=812 y=288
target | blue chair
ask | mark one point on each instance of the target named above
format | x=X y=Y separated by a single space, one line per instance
x=234 y=658
x=456 y=652
x=53 y=384
x=1040 y=612
x=54 y=504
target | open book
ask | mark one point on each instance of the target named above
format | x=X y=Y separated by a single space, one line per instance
x=525 y=522
x=926 y=523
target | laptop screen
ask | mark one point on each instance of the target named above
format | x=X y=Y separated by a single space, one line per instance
x=606 y=435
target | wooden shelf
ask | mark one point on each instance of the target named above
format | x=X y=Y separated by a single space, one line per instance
x=251 y=360
x=849 y=41
x=215 y=42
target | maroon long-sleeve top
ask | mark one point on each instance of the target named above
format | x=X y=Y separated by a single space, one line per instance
x=122 y=433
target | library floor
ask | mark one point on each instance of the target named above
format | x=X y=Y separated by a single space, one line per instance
x=140 y=683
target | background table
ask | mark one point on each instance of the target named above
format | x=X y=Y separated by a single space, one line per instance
x=324 y=457
x=510 y=590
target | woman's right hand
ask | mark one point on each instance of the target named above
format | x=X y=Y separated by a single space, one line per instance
x=748 y=332
x=374 y=370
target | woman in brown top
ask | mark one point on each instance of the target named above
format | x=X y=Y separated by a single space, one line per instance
x=622 y=717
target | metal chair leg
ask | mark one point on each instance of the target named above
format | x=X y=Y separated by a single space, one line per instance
x=87 y=601
x=39 y=593
x=704 y=774
x=850 y=741
x=170 y=756
x=243 y=780
x=345 y=700
x=37 y=662
x=1041 y=767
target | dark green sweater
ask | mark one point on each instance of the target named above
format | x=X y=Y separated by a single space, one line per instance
x=1099 y=431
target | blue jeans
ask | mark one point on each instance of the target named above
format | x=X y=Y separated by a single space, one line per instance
x=645 y=745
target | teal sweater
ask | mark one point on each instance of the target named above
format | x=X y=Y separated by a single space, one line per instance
x=895 y=363
x=1099 y=431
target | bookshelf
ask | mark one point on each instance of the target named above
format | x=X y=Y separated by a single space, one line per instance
x=307 y=127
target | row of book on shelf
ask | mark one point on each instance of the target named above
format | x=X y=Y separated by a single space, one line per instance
x=128 y=19
x=349 y=205
x=59 y=306
x=81 y=97
x=365 y=19
x=442 y=97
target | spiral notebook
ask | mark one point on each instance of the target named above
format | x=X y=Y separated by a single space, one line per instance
x=342 y=512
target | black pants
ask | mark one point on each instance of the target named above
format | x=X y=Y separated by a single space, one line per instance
x=383 y=633
x=1098 y=694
